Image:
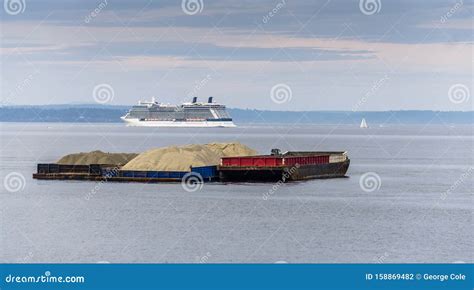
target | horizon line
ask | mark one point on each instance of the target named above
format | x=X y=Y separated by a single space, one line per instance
x=110 y=106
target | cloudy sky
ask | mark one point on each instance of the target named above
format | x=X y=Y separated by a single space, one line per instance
x=316 y=55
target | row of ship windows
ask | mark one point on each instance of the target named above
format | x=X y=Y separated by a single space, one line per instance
x=204 y=114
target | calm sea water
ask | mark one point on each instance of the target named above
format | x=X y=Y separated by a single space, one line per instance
x=420 y=209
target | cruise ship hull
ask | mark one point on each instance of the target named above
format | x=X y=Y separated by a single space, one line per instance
x=181 y=124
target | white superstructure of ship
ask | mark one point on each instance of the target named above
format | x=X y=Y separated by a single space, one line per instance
x=193 y=114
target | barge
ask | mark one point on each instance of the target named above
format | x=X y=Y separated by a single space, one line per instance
x=288 y=166
x=284 y=167
x=106 y=172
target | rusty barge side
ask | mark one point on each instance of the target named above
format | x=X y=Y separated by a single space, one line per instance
x=290 y=166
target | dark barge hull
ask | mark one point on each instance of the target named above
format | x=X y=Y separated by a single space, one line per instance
x=106 y=172
x=283 y=173
x=90 y=177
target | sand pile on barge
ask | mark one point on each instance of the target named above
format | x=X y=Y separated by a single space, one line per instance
x=97 y=157
x=181 y=158
x=231 y=149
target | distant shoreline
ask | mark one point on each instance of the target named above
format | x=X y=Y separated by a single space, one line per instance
x=112 y=114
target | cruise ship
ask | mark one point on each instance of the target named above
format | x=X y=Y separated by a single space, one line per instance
x=194 y=114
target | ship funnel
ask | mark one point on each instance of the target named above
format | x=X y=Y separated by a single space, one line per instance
x=209 y=100
x=195 y=99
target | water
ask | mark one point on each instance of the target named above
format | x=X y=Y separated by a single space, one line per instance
x=422 y=211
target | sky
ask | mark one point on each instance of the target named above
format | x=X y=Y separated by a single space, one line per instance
x=366 y=55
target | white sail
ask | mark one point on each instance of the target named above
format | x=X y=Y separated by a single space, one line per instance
x=363 y=123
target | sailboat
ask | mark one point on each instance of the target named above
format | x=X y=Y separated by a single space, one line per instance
x=363 y=123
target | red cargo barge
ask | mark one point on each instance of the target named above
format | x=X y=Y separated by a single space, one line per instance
x=288 y=166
